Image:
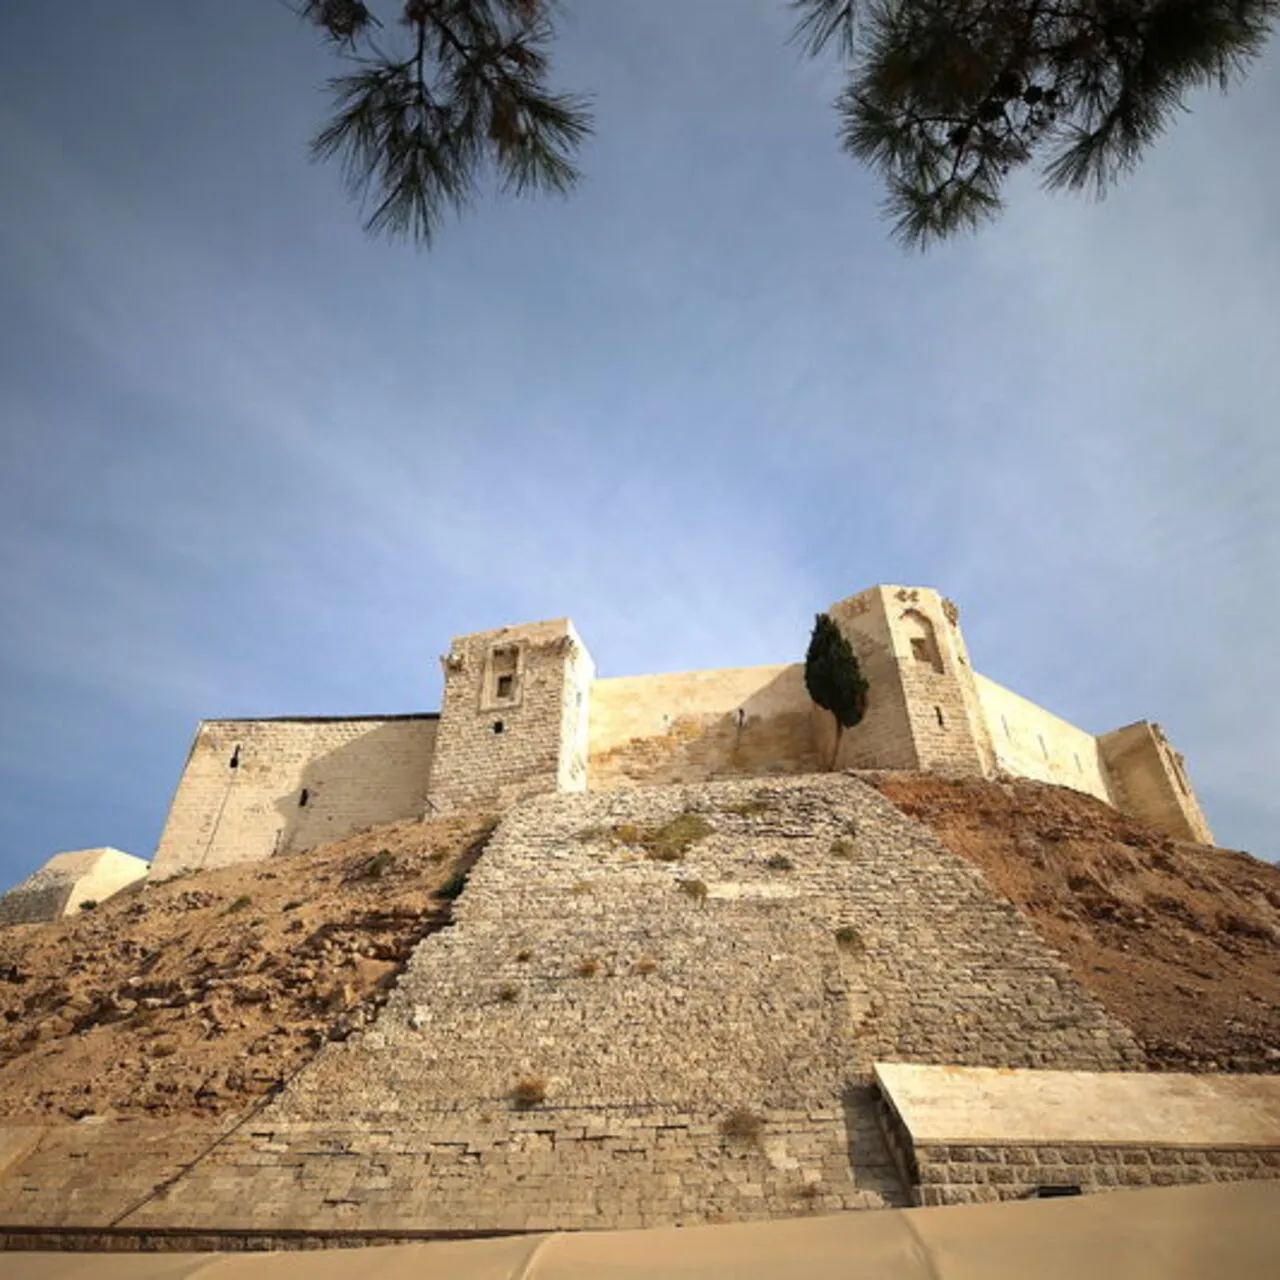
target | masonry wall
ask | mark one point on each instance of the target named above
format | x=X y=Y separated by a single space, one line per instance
x=495 y=748
x=1149 y=780
x=968 y=1174
x=691 y=726
x=1031 y=742
x=66 y=881
x=948 y=729
x=883 y=738
x=829 y=932
x=355 y=773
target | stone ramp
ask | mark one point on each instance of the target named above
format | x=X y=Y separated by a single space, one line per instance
x=696 y=1036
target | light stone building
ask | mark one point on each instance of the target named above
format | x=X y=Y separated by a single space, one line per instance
x=70 y=882
x=524 y=714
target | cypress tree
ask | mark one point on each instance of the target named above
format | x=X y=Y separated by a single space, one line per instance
x=833 y=678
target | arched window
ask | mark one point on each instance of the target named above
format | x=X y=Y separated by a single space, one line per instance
x=922 y=638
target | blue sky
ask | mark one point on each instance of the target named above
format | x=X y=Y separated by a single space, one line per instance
x=254 y=463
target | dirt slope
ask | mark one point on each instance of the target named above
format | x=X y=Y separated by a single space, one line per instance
x=1179 y=941
x=201 y=993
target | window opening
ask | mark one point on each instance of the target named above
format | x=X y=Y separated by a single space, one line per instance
x=303 y=796
x=498 y=726
x=506 y=686
x=924 y=641
x=937 y=711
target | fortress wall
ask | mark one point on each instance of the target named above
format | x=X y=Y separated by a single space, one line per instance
x=503 y=732
x=883 y=739
x=1031 y=742
x=66 y=881
x=355 y=773
x=1150 y=781
x=688 y=726
x=649 y=1014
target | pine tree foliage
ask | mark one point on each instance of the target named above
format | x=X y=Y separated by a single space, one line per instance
x=441 y=94
x=945 y=98
x=832 y=676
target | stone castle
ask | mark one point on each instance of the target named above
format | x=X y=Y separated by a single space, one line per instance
x=524 y=714
x=815 y=1005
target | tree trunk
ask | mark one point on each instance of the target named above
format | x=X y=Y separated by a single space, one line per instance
x=835 y=752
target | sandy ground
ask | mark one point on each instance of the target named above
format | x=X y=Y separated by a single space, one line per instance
x=202 y=993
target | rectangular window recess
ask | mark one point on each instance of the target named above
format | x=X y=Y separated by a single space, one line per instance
x=506 y=686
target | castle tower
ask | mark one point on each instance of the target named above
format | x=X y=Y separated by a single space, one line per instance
x=923 y=710
x=514 y=717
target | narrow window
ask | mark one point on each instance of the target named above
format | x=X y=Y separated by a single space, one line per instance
x=503 y=671
x=303 y=796
x=498 y=726
x=234 y=763
x=937 y=711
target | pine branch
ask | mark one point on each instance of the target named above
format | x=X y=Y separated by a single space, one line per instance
x=417 y=130
x=945 y=98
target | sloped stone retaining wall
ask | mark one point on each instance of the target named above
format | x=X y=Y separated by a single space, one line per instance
x=829 y=931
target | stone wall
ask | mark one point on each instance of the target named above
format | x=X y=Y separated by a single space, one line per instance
x=67 y=881
x=545 y=724
x=692 y=726
x=1031 y=742
x=813 y=930
x=964 y=1174
x=1149 y=780
x=253 y=788
x=513 y=702
x=963 y=1136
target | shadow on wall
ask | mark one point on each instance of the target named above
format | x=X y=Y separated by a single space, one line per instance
x=774 y=730
x=375 y=777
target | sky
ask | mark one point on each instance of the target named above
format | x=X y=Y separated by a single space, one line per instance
x=255 y=463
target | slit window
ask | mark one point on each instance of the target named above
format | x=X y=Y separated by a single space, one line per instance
x=937 y=711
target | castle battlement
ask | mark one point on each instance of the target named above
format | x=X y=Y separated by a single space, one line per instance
x=524 y=714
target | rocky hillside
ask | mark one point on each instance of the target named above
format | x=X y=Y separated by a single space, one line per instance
x=1179 y=941
x=201 y=993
